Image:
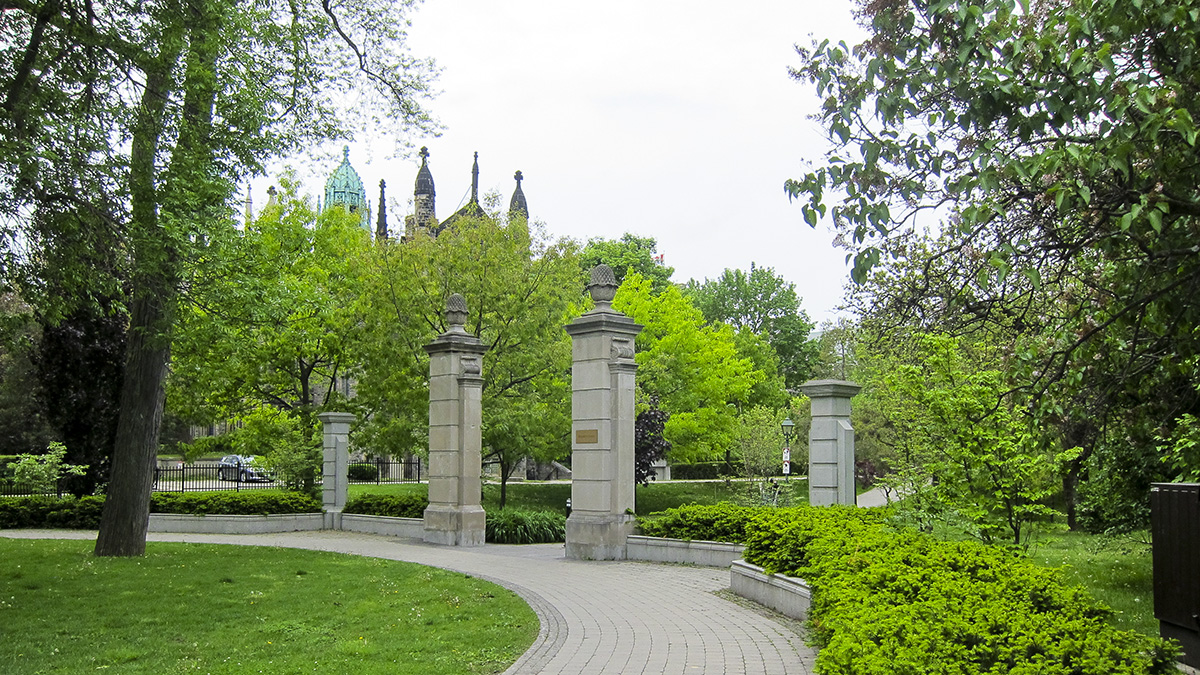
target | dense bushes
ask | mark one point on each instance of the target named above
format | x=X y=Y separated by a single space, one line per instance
x=719 y=522
x=397 y=506
x=84 y=513
x=513 y=526
x=898 y=601
x=363 y=472
x=257 y=502
x=69 y=513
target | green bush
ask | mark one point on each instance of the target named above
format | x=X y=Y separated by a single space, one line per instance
x=51 y=512
x=257 y=502
x=363 y=472
x=716 y=522
x=513 y=526
x=84 y=513
x=397 y=506
x=889 y=601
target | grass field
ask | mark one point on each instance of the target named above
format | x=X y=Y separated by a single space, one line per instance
x=1116 y=570
x=229 y=609
x=650 y=498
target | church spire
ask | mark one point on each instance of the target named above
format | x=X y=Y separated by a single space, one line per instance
x=475 y=180
x=381 y=230
x=518 y=205
x=424 y=194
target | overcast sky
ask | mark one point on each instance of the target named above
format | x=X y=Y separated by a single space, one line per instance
x=670 y=119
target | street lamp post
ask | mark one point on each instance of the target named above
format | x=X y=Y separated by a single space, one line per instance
x=787 y=425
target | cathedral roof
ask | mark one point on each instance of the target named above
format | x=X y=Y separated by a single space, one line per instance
x=344 y=186
x=424 y=176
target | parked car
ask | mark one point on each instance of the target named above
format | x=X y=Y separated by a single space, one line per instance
x=244 y=469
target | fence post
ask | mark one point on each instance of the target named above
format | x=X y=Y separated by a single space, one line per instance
x=334 y=475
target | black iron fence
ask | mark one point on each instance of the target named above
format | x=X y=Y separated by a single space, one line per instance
x=381 y=471
x=212 y=476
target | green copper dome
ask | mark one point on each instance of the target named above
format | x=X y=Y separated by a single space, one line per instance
x=346 y=188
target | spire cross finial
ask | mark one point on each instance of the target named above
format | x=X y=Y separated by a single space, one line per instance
x=424 y=153
x=518 y=176
x=345 y=153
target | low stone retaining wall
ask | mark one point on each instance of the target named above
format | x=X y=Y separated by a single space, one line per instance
x=663 y=549
x=412 y=528
x=224 y=524
x=786 y=595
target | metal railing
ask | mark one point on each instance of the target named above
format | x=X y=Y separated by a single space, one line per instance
x=382 y=471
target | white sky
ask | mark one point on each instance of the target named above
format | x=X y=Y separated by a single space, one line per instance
x=665 y=118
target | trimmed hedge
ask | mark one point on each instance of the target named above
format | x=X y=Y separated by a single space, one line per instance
x=84 y=513
x=515 y=526
x=242 y=503
x=718 y=522
x=397 y=506
x=363 y=472
x=51 y=512
x=902 y=602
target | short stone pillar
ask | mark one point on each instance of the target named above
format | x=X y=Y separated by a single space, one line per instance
x=335 y=466
x=830 y=442
x=454 y=516
x=602 y=462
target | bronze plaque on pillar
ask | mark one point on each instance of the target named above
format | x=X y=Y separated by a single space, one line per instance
x=587 y=436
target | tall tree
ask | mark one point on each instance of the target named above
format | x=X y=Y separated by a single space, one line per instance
x=1056 y=142
x=140 y=117
x=630 y=253
x=691 y=368
x=270 y=316
x=767 y=304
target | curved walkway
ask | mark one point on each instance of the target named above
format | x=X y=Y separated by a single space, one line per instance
x=596 y=617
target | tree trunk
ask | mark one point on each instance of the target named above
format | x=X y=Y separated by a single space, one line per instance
x=504 y=469
x=126 y=513
x=186 y=193
x=1070 y=496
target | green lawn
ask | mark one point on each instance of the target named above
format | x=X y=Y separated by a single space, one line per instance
x=233 y=609
x=553 y=496
x=1116 y=571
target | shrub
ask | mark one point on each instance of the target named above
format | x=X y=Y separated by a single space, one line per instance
x=363 y=472
x=718 y=522
x=258 y=502
x=887 y=601
x=69 y=512
x=397 y=506
x=513 y=526
x=40 y=473
x=899 y=601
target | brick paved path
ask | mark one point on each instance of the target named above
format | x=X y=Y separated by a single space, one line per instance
x=596 y=617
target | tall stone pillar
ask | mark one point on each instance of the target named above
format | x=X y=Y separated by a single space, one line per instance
x=602 y=390
x=454 y=516
x=335 y=465
x=830 y=442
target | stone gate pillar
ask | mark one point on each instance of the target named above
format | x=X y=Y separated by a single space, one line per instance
x=830 y=442
x=602 y=386
x=335 y=465
x=454 y=516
